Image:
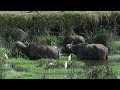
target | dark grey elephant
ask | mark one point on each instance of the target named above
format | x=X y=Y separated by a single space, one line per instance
x=76 y=39
x=34 y=51
x=87 y=51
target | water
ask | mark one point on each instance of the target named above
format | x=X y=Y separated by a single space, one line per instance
x=116 y=58
x=115 y=55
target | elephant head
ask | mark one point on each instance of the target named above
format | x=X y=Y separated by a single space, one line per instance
x=69 y=49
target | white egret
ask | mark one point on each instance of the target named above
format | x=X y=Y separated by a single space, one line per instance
x=65 y=65
x=6 y=56
x=54 y=46
x=69 y=57
x=118 y=77
x=50 y=64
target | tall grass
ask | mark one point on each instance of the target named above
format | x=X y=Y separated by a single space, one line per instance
x=67 y=20
x=3 y=68
x=57 y=23
x=49 y=39
x=101 y=72
x=101 y=36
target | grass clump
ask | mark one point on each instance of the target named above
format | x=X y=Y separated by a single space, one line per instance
x=3 y=67
x=101 y=72
x=49 y=40
x=100 y=36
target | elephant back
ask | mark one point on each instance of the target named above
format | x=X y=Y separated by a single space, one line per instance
x=76 y=39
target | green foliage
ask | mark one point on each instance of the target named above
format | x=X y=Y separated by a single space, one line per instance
x=3 y=68
x=49 y=40
x=101 y=72
x=97 y=36
x=37 y=24
x=27 y=69
x=14 y=34
x=100 y=36
x=115 y=46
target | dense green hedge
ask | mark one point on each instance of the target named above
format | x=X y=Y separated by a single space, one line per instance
x=57 y=22
x=64 y=22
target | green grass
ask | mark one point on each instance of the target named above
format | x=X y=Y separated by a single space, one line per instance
x=115 y=47
x=36 y=71
x=30 y=69
x=36 y=24
x=27 y=69
x=20 y=75
x=49 y=40
x=116 y=43
x=42 y=21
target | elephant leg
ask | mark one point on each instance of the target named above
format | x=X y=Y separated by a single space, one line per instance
x=106 y=57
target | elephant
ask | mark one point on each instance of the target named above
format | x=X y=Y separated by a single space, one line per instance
x=75 y=39
x=37 y=51
x=87 y=51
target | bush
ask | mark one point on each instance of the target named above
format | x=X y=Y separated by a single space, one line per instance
x=49 y=40
x=3 y=68
x=57 y=22
x=100 y=36
x=101 y=72
x=14 y=33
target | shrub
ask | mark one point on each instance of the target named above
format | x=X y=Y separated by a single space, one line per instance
x=57 y=23
x=49 y=40
x=3 y=68
x=14 y=33
x=100 y=36
x=101 y=72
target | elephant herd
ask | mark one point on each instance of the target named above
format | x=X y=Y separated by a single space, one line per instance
x=71 y=44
